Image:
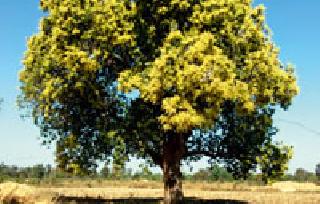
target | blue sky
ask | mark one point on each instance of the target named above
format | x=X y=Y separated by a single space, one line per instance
x=296 y=30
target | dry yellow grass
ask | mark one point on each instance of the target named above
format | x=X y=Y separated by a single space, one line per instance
x=21 y=193
x=278 y=193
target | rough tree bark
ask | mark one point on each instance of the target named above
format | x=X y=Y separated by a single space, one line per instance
x=173 y=151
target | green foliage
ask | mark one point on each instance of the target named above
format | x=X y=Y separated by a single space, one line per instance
x=317 y=171
x=274 y=161
x=68 y=75
x=20 y=174
x=146 y=174
x=303 y=175
x=207 y=71
x=214 y=173
x=105 y=171
x=220 y=174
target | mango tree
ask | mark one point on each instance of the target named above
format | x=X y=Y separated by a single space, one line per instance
x=207 y=73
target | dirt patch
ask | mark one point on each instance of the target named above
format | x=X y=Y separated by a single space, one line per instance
x=21 y=193
x=289 y=186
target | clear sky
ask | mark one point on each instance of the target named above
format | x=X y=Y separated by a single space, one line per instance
x=296 y=30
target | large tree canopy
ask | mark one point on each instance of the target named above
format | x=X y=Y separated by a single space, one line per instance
x=208 y=75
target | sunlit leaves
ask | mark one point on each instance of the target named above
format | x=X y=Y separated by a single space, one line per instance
x=225 y=55
x=74 y=41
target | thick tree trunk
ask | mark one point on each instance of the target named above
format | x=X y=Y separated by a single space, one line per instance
x=173 y=151
x=172 y=186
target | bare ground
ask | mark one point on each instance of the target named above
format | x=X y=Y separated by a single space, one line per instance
x=151 y=192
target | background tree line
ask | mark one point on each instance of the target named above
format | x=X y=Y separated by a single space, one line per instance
x=45 y=173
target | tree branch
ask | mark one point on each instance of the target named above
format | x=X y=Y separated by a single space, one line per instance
x=157 y=158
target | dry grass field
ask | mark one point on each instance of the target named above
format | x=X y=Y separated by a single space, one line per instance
x=151 y=192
